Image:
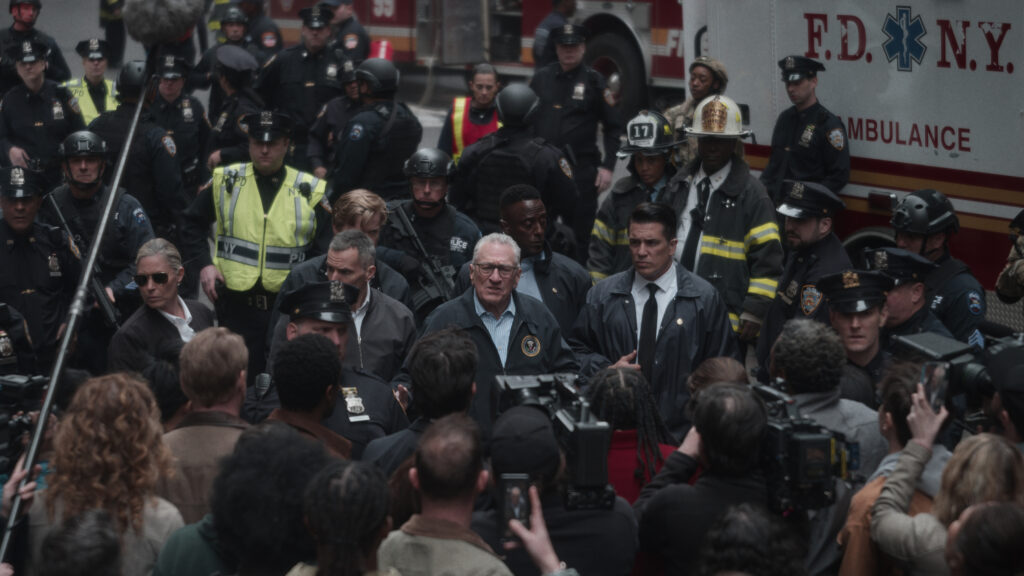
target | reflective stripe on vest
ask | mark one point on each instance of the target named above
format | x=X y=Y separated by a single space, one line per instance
x=80 y=91
x=464 y=131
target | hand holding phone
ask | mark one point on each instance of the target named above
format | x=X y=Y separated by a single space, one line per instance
x=935 y=379
x=515 y=502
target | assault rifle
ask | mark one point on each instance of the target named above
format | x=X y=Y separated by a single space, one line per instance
x=436 y=282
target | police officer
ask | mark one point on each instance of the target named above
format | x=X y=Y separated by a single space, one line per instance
x=112 y=23
x=79 y=202
x=513 y=155
x=304 y=77
x=266 y=221
x=263 y=31
x=448 y=235
x=906 y=303
x=40 y=264
x=36 y=115
x=377 y=137
x=152 y=173
x=184 y=118
x=349 y=34
x=24 y=13
x=809 y=142
x=229 y=140
x=472 y=117
x=574 y=99
x=330 y=123
x=924 y=222
x=94 y=92
x=233 y=24
x=814 y=251
x=543 y=47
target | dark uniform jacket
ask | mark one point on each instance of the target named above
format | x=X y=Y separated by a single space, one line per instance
x=535 y=346
x=263 y=32
x=56 y=67
x=810 y=145
x=694 y=327
x=920 y=322
x=38 y=123
x=504 y=158
x=378 y=139
x=135 y=345
x=40 y=274
x=353 y=40
x=956 y=298
x=228 y=134
x=798 y=295
x=389 y=452
x=185 y=121
x=544 y=52
x=327 y=129
x=563 y=284
x=201 y=77
x=860 y=383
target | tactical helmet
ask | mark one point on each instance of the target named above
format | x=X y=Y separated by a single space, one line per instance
x=650 y=134
x=718 y=115
x=517 y=103
x=234 y=15
x=924 y=212
x=428 y=163
x=131 y=80
x=379 y=74
x=82 y=143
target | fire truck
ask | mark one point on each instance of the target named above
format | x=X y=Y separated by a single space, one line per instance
x=929 y=91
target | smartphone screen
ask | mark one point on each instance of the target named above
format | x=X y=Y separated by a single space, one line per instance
x=935 y=379
x=515 y=501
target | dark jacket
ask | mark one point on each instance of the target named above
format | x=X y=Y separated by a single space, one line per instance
x=136 y=343
x=389 y=452
x=956 y=298
x=809 y=145
x=695 y=327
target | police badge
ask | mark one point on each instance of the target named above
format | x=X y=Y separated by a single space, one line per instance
x=54 y=265
x=6 y=348
x=805 y=138
x=58 y=111
x=578 y=91
x=354 y=405
x=332 y=70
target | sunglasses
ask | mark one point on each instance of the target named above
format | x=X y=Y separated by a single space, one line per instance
x=143 y=279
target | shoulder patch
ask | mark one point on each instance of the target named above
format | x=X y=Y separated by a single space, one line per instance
x=169 y=145
x=836 y=139
x=356 y=133
x=351 y=41
x=139 y=216
x=269 y=40
x=810 y=299
x=974 y=305
x=564 y=165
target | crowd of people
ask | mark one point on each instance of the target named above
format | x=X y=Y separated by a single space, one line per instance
x=292 y=353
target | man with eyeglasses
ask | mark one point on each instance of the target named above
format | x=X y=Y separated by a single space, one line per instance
x=513 y=333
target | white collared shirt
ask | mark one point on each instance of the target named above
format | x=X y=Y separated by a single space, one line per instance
x=360 y=313
x=181 y=324
x=685 y=220
x=500 y=328
x=667 y=288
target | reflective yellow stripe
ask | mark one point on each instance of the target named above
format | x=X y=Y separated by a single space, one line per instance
x=761 y=234
x=735 y=321
x=597 y=276
x=614 y=237
x=458 y=116
x=763 y=287
x=722 y=248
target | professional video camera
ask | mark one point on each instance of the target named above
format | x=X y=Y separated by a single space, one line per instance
x=19 y=395
x=584 y=439
x=801 y=459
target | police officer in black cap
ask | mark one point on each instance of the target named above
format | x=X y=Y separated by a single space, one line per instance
x=229 y=137
x=379 y=135
x=330 y=123
x=809 y=142
x=234 y=24
x=25 y=13
x=94 y=92
x=36 y=115
x=856 y=303
x=907 y=305
x=814 y=251
x=349 y=34
x=40 y=264
x=184 y=118
x=367 y=409
x=574 y=99
x=304 y=77
x=925 y=222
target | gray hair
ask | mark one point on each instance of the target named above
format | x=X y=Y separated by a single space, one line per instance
x=500 y=239
x=810 y=356
x=160 y=247
x=355 y=238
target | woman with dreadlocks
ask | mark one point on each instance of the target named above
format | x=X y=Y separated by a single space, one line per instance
x=641 y=442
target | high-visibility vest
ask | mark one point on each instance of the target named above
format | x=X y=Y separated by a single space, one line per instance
x=80 y=90
x=256 y=246
x=464 y=131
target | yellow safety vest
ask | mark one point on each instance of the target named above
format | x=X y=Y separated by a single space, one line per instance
x=256 y=246
x=79 y=90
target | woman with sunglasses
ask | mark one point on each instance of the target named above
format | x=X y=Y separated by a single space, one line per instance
x=164 y=316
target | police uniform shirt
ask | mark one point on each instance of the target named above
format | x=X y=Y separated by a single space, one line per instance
x=500 y=328
x=38 y=122
x=366 y=409
x=229 y=133
x=185 y=121
x=667 y=285
x=201 y=77
x=353 y=40
x=809 y=145
x=958 y=302
x=298 y=83
x=366 y=160
x=327 y=129
x=56 y=67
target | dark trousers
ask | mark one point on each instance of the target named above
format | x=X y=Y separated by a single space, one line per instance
x=115 y=36
x=586 y=210
x=248 y=315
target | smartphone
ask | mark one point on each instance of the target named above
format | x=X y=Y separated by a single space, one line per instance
x=935 y=380
x=514 y=490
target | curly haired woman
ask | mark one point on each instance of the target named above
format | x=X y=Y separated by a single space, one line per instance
x=109 y=453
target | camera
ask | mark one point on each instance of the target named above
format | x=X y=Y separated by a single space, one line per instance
x=19 y=395
x=801 y=459
x=584 y=439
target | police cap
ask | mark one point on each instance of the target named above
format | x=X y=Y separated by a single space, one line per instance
x=901 y=265
x=569 y=34
x=236 y=58
x=27 y=51
x=809 y=200
x=267 y=126
x=172 y=67
x=318 y=16
x=796 y=67
x=93 y=49
x=852 y=291
x=234 y=15
x=329 y=301
x=18 y=182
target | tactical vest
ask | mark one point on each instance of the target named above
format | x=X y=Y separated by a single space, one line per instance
x=138 y=174
x=504 y=166
x=80 y=90
x=256 y=246
x=391 y=149
x=111 y=258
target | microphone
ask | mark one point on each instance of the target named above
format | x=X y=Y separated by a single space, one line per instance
x=153 y=22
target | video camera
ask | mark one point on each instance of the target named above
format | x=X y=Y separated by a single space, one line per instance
x=801 y=459
x=19 y=395
x=584 y=439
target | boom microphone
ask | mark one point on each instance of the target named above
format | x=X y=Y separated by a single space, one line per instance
x=153 y=22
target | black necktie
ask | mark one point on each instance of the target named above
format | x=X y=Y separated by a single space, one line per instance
x=696 y=224
x=648 y=331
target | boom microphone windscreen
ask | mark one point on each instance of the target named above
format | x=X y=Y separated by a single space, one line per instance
x=154 y=22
